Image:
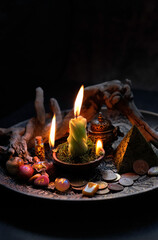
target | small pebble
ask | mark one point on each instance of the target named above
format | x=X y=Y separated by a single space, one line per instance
x=153 y=171
x=62 y=184
x=42 y=181
x=51 y=185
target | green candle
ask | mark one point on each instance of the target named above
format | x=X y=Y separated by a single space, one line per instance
x=77 y=140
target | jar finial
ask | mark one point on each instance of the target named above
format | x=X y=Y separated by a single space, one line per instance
x=100 y=117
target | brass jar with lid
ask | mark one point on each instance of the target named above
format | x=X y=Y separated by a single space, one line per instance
x=102 y=128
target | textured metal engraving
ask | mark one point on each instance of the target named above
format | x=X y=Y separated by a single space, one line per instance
x=143 y=184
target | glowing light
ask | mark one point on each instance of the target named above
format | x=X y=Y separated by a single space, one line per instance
x=99 y=147
x=78 y=102
x=52 y=132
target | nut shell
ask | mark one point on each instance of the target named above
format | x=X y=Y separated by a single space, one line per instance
x=13 y=164
x=25 y=171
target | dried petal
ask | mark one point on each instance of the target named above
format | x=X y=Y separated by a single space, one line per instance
x=42 y=181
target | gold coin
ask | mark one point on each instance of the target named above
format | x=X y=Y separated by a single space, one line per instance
x=102 y=184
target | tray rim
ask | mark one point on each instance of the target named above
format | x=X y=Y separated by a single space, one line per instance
x=83 y=199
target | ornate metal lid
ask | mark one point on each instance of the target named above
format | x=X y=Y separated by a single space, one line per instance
x=101 y=124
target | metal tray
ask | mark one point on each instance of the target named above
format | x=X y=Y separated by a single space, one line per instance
x=143 y=184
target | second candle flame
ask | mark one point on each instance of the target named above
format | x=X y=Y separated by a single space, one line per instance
x=52 y=132
x=99 y=147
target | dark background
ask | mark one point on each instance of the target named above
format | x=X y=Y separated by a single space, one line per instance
x=59 y=45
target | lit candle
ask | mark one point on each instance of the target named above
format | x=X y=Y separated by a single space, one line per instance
x=77 y=140
x=99 y=148
x=52 y=132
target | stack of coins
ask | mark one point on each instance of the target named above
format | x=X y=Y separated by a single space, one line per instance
x=110 y=181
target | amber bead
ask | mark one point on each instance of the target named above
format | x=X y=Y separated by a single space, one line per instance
x=90 y=189
x=62 y=184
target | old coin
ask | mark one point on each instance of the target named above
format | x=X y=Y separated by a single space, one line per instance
x=103 y=191
x=108 y=175
x=118 y=176
x=130 y=175
x=126 y=182
x=115 y=187
x=78 y=189
x=78 y=182
x=153 y=171
x=140 y=167
x=102 y=184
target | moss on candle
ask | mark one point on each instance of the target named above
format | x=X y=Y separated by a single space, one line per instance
x=64 y=155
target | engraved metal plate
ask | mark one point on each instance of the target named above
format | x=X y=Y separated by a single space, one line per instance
x=143 y=184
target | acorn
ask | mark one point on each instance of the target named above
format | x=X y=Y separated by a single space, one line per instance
x=25 y=171
x=13 y=165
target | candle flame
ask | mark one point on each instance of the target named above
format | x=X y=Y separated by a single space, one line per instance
x=78 y=102
x=52 y=132
x=99 y=147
